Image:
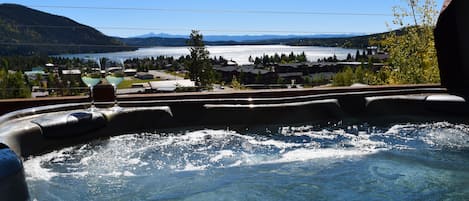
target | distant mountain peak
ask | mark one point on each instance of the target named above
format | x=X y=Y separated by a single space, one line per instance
x=160 y=35
x=248 y=37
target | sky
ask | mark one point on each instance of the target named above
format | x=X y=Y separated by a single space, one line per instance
x=127 y=18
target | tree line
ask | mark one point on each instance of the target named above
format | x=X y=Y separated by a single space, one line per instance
x=279 y=59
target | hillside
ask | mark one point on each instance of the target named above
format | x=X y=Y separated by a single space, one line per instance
x=24 y=31
x=346 y=42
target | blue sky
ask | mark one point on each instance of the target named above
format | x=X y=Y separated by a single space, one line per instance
x=231 y=17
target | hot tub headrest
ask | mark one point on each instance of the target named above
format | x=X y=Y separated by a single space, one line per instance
x=70 y=124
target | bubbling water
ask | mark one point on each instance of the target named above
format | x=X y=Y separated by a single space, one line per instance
x=362 y=162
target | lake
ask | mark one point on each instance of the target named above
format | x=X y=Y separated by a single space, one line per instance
x=238 y=53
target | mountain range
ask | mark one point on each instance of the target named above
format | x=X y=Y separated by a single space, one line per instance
x=346 y=41
x=25 y=31
x=246 y=38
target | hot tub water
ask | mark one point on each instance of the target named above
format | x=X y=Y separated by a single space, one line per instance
x=428 y=161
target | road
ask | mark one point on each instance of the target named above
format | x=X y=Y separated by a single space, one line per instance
x=164 y=76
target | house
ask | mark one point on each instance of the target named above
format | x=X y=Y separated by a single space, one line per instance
x=37 y=92
x=34 y=74
x=37 y=68
x=376 y=53
x=171 y=85
x=52 y=68
x=292 y=67
x=372 y=50
x=294 y=77
x=231 y=63
x=130 y=72
x=71 y=72
x=144 y=76
x=248 y=73
x=113 y=69
x=72 y=75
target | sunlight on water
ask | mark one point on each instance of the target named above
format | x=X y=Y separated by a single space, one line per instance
x=238 y=53
x=358 y=162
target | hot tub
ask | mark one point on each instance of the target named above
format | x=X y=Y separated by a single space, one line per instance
x=392 y=144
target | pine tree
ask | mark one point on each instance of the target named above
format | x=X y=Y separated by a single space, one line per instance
x=349 y=57
x=199 y=65
x=357 y=56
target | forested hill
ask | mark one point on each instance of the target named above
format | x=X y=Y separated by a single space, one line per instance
x=346 y=42
x=25 y=31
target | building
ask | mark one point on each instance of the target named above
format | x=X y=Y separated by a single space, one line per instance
x=294 y=77
x=70 y=76
x=144 y=76
x=37 y=92
x=34 y=74
x=376 y=53
x=247 y=74
x=130 y=72
x=73 y=74
x=293 y=67
x=113 y=69
x=171 y=85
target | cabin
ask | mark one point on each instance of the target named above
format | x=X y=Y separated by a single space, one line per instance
x=144 y=76
x=130 y=72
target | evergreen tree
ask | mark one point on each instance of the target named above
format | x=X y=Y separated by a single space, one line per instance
x=199 y=65
x=292 y=57
x=277 y=58
x=302 y=57
x=257 y=61
x=349 y=57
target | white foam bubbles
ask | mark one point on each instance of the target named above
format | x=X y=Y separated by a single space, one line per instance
x=34 y=170
x=143 y=154
x=222 y=154
x=309 y=154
